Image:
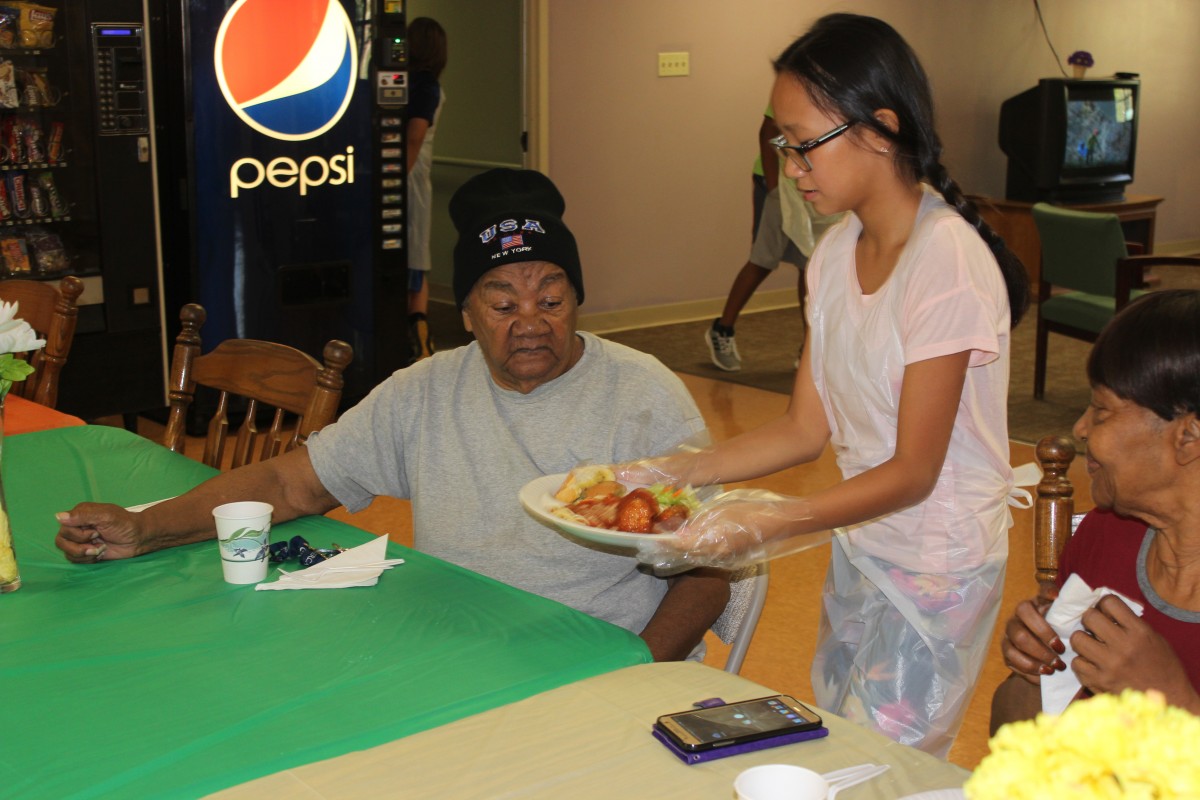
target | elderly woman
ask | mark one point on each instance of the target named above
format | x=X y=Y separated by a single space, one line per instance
x=1142 y=431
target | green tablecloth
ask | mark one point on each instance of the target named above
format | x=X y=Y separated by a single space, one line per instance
x=153 y=677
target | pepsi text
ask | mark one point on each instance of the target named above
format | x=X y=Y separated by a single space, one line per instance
x=284 y=172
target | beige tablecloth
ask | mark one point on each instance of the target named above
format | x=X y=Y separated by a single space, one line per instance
x=591 y=739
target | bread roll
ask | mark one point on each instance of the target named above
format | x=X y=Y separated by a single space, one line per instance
x=580 y=479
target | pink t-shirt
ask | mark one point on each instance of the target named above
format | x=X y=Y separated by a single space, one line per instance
x=946 y=295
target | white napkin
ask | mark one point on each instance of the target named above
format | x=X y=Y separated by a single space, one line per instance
x=144 y=506
x=1065 y=616
x=358 y=566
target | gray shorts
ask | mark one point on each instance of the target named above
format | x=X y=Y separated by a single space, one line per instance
x=772 y=245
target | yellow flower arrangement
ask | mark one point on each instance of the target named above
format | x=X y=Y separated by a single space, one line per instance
x=1131 y=745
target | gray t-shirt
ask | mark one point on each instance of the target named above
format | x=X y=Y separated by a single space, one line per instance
x=442 y=433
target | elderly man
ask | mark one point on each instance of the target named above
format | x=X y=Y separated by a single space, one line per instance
x=462 y=432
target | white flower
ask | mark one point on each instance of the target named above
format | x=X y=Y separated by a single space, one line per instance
x=16 y=336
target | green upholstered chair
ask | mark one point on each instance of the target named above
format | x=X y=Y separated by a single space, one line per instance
x=1087 y=276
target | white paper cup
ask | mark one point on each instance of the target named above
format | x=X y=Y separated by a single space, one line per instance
x=243 y=539
x=780 y=782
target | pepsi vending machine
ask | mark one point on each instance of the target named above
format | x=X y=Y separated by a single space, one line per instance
x=289 y=182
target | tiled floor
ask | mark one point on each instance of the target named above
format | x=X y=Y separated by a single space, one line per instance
x=782 y=649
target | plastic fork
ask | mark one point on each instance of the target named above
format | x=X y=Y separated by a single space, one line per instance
x=841 y=779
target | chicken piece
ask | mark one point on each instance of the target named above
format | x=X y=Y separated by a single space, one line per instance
x=636 y=512
x=670 y=519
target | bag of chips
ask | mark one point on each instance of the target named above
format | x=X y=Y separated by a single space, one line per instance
x=8 y=26
x=9 y=97
x=35 y=29
x=47 y=250
x=16 y=258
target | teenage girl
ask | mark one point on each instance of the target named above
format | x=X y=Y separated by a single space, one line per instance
x=905 y=374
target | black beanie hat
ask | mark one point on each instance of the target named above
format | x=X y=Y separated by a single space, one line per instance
x=507 y=216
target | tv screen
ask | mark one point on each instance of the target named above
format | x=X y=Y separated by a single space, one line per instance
x=1071 y=140
x=1099 y=128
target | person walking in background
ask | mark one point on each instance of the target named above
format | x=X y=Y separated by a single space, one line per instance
x=426 y=60
x=912 y=298
x=785 y=230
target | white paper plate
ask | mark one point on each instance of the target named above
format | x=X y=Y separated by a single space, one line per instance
x=538 y=498
x=937 y=794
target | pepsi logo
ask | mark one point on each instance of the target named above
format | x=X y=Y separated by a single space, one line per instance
x=287 y=67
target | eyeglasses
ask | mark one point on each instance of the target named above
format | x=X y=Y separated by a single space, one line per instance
x=798 y=153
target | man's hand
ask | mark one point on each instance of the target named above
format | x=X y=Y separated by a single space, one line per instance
x=92 y=532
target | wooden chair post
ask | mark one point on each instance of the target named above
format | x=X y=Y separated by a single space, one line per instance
x=183 y=387
x=58 y=341
x=1053 y=508
x=323 y=406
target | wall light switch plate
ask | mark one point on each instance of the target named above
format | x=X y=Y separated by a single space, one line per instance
x=673 y=65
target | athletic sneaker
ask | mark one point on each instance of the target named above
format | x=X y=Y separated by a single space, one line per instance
x=419 y=337
x=722 y=349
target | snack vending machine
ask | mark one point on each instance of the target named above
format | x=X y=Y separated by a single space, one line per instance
x=77 y=194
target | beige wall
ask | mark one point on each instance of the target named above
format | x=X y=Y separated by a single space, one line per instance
x=656 y=171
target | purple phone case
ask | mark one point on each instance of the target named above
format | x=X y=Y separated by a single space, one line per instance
x=689 y=757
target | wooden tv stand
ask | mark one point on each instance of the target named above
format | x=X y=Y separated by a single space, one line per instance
x=1013 y=220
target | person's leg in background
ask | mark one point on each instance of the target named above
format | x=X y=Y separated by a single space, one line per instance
x=722 y=348
x=771 y=246
x=419 y=337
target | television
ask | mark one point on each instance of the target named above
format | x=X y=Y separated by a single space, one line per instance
x=1071 y=141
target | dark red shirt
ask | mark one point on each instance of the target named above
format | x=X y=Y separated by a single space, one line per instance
x=1110 y=551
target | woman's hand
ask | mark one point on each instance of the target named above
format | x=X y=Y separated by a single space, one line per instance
x=737 y=528
x=1031 y=648
x=1118 y=650
x=668 y=470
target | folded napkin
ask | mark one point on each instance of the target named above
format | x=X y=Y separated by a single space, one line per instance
x=358 y=566
x=1066 y=617
x=144 y=506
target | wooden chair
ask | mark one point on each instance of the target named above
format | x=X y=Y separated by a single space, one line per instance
x=1053 y=524
x=264 y=374
x=52 y=313
x=1054 y=509
x=1087 y=276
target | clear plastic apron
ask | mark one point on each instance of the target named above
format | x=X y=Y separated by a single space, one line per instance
x=900 y=651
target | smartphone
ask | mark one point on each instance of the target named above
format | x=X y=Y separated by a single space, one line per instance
x=737 y=723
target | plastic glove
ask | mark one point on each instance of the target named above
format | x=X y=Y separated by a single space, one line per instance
x=673 y=470
x=679 y=466
x=735 y=529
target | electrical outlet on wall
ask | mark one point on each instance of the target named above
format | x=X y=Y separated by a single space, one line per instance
x=673 y=65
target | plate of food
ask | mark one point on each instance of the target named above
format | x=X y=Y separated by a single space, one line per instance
x=591 y=504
